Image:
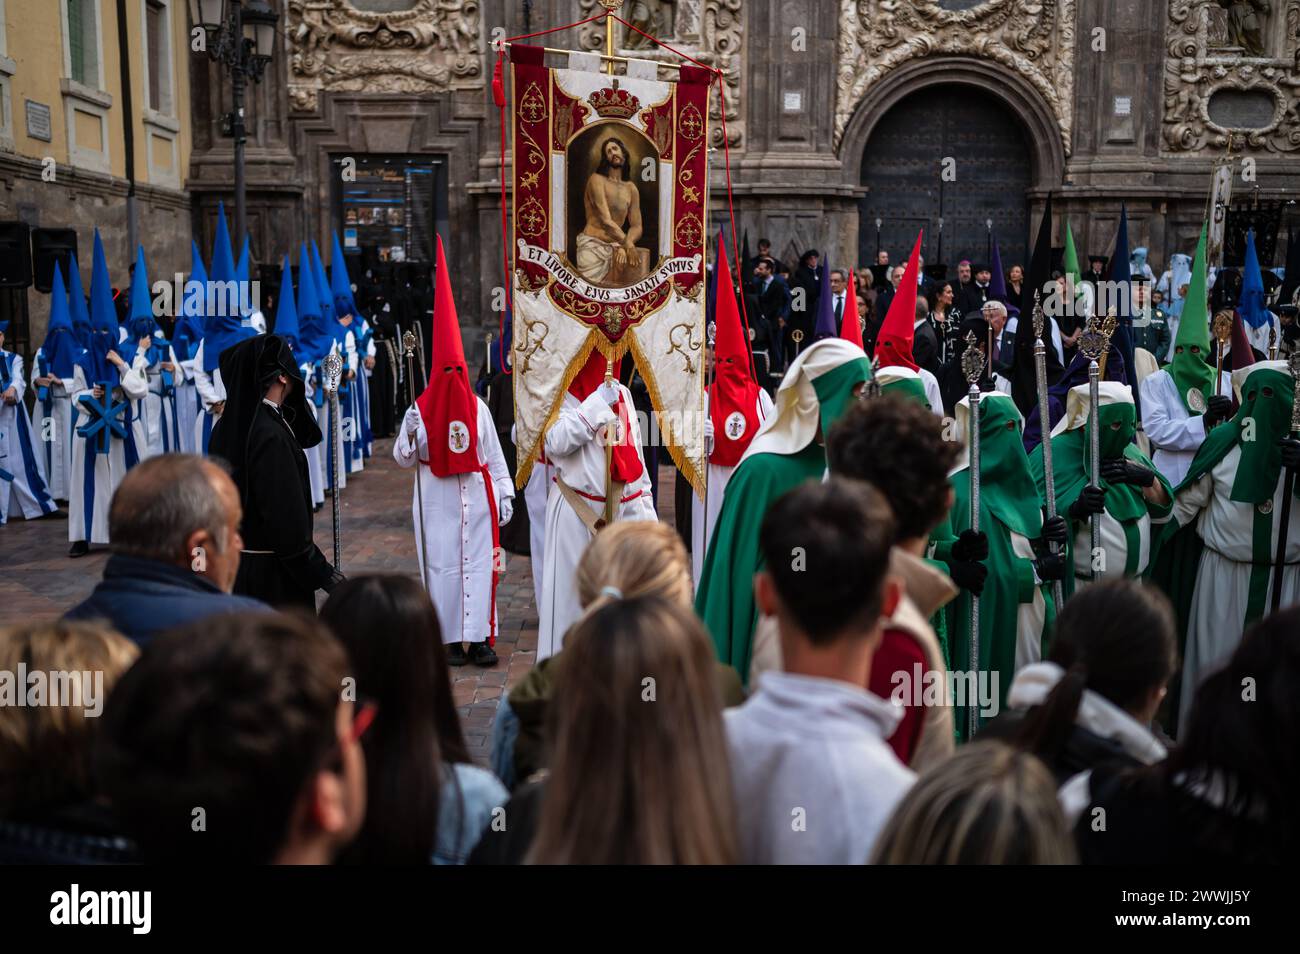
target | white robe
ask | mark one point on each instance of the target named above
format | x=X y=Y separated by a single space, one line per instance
x=21 y=455
x=188 y=406
x=457 y=528
x=1175 y=433
x=315 y=455
x=704 y=521
x=330 y=422
x=154 y=416
x=354 y=457
x=1114 y=550
x=96 y=476
x=211 y=391
x=536 y=492
x=1219 y=603
x=54 y=434
x=578 y=458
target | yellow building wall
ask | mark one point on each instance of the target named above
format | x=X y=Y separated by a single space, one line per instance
x=35 y=41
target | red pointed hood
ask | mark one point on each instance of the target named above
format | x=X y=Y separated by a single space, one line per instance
x=448 y=405
x=850 y=324
x=733 y=396
x=1242 y=355
x=589 y=377
x=894 y=343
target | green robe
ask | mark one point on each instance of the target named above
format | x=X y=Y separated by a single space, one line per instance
x=725 y=600
x=1124 y=502
x=1010 y=510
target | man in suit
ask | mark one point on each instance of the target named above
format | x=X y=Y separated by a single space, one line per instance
x=925 y=342
x=772 y=300
x=839 y=285
x=886 y=295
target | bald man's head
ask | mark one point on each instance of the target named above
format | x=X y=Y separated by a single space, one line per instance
x=182 y=510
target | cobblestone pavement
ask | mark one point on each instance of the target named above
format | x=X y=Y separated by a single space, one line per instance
x=39 y=581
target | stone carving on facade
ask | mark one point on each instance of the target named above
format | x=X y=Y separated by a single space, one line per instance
x=1208 y=51
x=432 y=46
x=1033 y=38
x=712 y=31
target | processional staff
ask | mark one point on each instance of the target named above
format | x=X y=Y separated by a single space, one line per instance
x=972 y=365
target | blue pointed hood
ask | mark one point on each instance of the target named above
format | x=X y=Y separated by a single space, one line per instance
x=340 y=283
x=223 y=260
x=286 y=312
x=224 y=325
x=1120 y=273
x=60 y=349
x=189 y=326
x=323 y=295
x=316 y=339
x=103 y=323
x=825 y=327
x=140 y=322
x=77 y=305
x=246 y=304
x=1251 y=306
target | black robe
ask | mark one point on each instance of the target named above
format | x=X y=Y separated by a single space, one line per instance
x=278 y=519
x=280 y=563
x=384 y=411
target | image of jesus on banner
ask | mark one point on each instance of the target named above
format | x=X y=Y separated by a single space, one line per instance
x=606 y=251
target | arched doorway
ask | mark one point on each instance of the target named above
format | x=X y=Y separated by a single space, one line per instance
x=902 y=164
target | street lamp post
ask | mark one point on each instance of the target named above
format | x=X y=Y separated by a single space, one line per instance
x=241 y=37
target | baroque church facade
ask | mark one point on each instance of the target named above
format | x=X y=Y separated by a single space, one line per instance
x=850 y=124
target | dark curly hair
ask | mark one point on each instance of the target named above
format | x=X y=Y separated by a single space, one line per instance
x=897 y=445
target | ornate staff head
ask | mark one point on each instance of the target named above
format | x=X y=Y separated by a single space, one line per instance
x=972 y=361
x=1038 y=316
x=1095 y=339
x=408 y=343
x=333 y=368
x=796 y=336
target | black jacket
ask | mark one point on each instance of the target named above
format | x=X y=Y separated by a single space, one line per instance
x=1149 y=821
x=81 y=835
x=1084 y=750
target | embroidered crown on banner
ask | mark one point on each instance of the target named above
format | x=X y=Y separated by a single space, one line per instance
x=615 y=102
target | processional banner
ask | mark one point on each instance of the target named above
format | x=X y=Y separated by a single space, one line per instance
x=607 y=246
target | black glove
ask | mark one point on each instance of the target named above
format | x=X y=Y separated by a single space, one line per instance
x=1119 y=470
x=1290 y=452
x=1050 y=566
x=336 y=577
x=1091 y=500
x=968 y=575
x=971 y=547
x=1055 y=530
x=1219 y=409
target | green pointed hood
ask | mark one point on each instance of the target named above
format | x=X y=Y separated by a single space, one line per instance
x=903 y=381
x=1191 y=369
x=1007 y=487
x=1267 y=393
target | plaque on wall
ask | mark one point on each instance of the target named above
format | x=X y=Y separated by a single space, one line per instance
x=38 y=121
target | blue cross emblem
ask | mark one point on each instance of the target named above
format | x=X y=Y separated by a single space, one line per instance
x=106 y=420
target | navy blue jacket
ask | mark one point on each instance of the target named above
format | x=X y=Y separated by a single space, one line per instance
x=142 y=597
